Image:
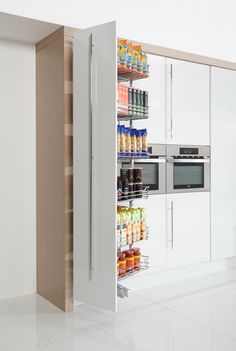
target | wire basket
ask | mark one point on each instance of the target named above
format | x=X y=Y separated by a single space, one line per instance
x=144 y=265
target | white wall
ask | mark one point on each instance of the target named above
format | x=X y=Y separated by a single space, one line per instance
x=202 y=26
x=17 y=175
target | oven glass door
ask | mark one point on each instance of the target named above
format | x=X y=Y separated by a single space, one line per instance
x=188 y=175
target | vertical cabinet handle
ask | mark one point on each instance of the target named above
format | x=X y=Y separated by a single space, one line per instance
x=172 y=225
x=91 y=157
x=169 y=98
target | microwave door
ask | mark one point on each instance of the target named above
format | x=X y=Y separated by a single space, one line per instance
x=153 y=173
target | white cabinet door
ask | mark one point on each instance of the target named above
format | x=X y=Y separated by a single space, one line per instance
x=187 y=103
x=155 y=85
x=94 y=131
x=223 y=163
x=188 y=228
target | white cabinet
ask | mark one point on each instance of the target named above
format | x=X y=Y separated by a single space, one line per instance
x=155 y=85
x=187 y=103
x=188 y=229
x=223 y=163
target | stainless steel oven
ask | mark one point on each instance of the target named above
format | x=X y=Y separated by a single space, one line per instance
x=153 y=169
x=188 y=168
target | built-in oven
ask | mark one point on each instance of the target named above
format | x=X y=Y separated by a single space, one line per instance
x=188 y=168
x=153 y=169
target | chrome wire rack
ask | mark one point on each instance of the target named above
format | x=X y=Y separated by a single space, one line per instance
x=134 y=195
x=144 y=265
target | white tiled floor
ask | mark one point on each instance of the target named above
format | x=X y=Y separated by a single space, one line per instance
x=193 y=315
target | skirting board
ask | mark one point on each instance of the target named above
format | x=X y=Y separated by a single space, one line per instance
x=145 y=280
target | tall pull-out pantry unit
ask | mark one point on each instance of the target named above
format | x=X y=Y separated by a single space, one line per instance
x=95 y=166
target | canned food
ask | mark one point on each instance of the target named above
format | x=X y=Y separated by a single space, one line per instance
x=119 y=188
x=131 y=190
x=137 y=174
x=125 y=188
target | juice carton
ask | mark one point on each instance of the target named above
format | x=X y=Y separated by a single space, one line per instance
x=123 y=52
x=129 y=54
x=122 y=228
x=139 y=54
x=128 y=228
x=138 y=231
x=143 y=223
x=145 y=65
x=133 y=224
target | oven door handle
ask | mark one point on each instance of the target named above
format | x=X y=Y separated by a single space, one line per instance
x=171 y=160
x=151 y=160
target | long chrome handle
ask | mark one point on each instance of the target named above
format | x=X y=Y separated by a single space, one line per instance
x=172 y=225
x=91 y=158
x=171 y=100
x=151 y=160
x=187 y=160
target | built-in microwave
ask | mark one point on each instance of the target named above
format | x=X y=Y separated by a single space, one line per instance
x=153 y=169
x=188 y=168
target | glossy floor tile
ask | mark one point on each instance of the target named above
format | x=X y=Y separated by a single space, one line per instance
x=197 y=314
x=228 y=274
x=164 y=330
x=16 y=333
x=46 y=348
x=187 y=290
x=57 y=325
x=217 y=312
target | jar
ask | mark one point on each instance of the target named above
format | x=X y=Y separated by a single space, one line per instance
x=130 y=175
x=118 y=229
x=129 y=254
x=137 y=172
x=122 y=263
x=119 y=188
x=118 y=266
x=137 y=258
x=125 y=188
x=131 y=190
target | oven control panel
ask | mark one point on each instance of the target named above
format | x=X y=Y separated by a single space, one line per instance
x=188 y=151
